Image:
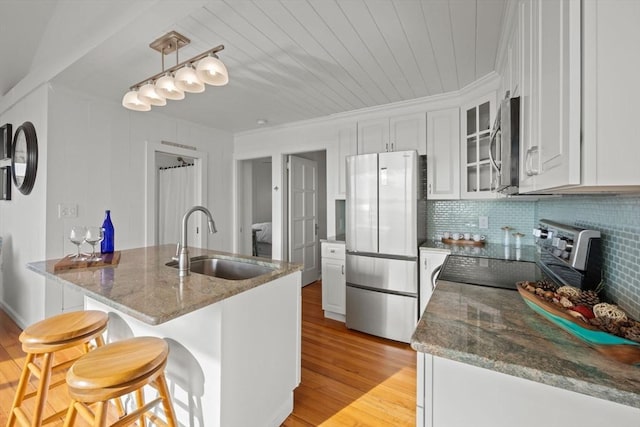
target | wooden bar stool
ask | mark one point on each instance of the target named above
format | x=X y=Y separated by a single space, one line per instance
x=117 y=369
x=41 y=341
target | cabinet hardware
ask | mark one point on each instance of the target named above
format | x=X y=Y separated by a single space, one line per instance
x=529 y=161
x=343 y=269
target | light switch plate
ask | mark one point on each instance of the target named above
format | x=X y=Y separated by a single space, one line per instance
x=67 y=210
x=483 y=222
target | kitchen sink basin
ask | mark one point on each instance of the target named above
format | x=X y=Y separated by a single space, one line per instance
x=225 y=268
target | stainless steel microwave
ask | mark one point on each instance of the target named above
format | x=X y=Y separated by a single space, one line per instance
x=505 y=141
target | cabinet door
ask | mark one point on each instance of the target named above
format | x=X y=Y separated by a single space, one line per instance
x=478 y=176
x=333 y=286
x=347 y=146
x=527 y=82
x=408 y=133
x=610 y=129
x=558 y=74
x=443 y=154
x=373 y=136
x=430 y=261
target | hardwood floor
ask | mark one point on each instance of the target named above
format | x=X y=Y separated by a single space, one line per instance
x=348 y=378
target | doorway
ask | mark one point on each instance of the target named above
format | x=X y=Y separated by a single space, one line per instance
x=255 y=207
x=175 y=183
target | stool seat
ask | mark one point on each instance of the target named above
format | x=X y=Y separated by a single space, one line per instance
x=114 y=370
x=117 y=364
x=66 y=328
x=41 y=341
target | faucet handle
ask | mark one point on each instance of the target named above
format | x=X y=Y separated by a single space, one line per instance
x=176 y=258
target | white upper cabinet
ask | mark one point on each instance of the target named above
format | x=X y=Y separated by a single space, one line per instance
x=399 y=133
x=478 y=177
x=443 y=154
x=548 y=36
x=610 y=151
x=556 y=70
x=576 y=80
x=347 y=146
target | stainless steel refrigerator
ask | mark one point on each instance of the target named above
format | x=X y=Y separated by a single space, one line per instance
x=385 y=226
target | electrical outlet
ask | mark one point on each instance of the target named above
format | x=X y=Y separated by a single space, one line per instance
x=483 y=222
x=67 y=210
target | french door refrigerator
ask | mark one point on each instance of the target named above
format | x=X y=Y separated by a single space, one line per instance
x=385 y=225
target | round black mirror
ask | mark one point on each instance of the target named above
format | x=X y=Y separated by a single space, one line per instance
x=24 y=157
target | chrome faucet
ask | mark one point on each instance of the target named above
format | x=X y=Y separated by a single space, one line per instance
x=182 y=252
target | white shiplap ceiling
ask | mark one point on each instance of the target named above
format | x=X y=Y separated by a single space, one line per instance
x=292 y=60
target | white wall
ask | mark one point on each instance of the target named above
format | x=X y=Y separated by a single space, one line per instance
x=23 y=220
x=322 y=134
x=261 y=203
x=92 y=154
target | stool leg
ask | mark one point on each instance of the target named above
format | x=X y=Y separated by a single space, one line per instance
x=140 y=404
x=22 y=388
x=43 y=389
x=101 y=415
x=161 y=385
x=70 y=419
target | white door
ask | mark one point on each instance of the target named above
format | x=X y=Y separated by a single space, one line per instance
x=303 y=212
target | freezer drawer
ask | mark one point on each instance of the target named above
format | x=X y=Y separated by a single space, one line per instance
x=385 y=315
x=394 y=275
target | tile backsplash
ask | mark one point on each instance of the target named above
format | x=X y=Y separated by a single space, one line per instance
x=618 y=219
x=462 y=216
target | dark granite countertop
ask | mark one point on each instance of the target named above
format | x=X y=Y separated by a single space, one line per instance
x=142 y=286
x=494 y=329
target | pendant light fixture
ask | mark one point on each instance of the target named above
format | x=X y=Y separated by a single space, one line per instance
x=172 y=83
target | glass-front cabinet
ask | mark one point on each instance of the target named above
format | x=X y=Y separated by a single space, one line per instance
x=478 y=177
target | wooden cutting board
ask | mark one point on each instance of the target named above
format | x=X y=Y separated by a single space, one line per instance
x=70 y=263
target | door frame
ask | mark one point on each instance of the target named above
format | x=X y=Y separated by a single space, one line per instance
x=200 y=160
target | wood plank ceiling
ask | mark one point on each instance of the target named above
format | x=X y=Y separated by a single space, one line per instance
x=290 y=60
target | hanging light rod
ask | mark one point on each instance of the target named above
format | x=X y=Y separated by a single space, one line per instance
x=173 y=82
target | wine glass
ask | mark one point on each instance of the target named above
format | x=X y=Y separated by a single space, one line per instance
x=77 y=235
x=93 y=236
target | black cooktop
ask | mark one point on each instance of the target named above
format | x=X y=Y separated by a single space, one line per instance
x=496 y=273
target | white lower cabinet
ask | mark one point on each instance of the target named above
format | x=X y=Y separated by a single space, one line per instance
x=334 y=285
x=452 y=394
x=430 y=262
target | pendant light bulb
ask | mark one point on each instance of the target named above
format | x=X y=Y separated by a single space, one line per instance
x=187 y=80
x=148 y=94
x=133 y=102
x=166 y=87
x=212 y=71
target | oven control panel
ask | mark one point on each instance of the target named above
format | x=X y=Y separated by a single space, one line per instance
x=570 y=244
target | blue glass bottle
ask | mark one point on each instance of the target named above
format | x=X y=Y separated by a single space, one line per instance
x=106 y=246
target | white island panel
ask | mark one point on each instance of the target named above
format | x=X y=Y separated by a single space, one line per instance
x=233 y=363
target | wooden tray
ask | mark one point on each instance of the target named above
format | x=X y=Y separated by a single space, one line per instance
x=612 y=346
x=462 y=242
x=69 y=263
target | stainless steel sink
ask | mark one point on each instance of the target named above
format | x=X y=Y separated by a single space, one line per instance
x=225 y=268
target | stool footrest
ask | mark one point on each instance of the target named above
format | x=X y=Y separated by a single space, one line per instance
x=21 y=417
x=55 y=417
x=127 y=419
x=51 y=387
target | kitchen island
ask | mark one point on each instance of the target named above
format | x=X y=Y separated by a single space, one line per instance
x=234 y=344
x=486 y=359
